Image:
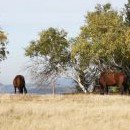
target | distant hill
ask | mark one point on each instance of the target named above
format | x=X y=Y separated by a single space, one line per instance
x=63 y=85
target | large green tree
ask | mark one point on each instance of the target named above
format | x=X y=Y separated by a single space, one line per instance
x=49 y=55
x=104 y=41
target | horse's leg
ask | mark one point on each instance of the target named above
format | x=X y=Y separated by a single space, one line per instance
x=15 y=90
x=21 y=90
x=126 y=88
x=129 y=91
x=121 y=89
x=25 y=90
x=106 y=89
x=102 y=89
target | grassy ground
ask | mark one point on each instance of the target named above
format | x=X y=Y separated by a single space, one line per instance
x=64 y=112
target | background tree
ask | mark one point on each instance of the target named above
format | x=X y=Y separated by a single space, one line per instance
x=3 y=43
x=127 y=13
x=49 y=55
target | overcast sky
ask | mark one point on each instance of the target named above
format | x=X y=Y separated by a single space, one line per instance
x=24 y=19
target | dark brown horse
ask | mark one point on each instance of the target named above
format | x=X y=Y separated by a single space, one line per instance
x=111 y=78
x=19 y=83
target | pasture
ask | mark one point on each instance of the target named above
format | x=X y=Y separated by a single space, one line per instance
x=64 y=112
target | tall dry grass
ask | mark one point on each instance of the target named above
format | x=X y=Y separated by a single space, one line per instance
x=64 y=112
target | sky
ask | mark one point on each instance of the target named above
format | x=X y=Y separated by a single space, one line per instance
x=22 y=20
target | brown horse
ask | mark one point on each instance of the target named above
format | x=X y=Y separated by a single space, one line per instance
x=19 y=83
x=111 y=78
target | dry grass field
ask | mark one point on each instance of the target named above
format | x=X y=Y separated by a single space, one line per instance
x=64 y=112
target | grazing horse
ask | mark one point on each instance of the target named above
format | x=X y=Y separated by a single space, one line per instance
x=19 y=83
x=111 y=78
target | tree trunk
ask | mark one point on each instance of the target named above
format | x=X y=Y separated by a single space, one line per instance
x=81 y=86
x=53 y=87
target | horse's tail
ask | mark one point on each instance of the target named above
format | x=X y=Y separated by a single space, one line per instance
x=25 y=90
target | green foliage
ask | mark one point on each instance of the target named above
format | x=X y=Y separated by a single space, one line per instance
x=104 y=40
x=127 y=13
x=3 y=43
x=82 y=49
x=52 y=43
x=105 y=36
x=49 y=53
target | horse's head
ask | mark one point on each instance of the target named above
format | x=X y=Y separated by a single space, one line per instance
x=20 y=89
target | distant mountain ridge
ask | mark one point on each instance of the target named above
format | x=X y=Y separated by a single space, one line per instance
x=1 y=84
x=62 y=86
